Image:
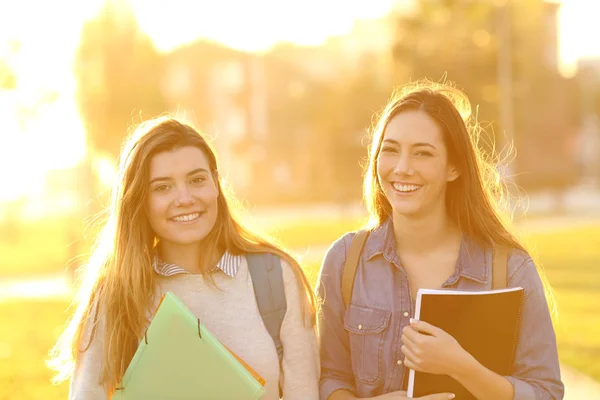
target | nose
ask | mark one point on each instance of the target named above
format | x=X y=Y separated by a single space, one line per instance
x=184 y=197
x=404 y=165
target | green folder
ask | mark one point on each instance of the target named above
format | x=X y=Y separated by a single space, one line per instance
x=179 y=358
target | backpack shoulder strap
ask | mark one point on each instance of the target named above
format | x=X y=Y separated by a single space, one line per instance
x=267 y=279
x=499 y=267
x=351 y=264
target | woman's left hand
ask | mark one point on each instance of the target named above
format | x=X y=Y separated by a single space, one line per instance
x=430 y=349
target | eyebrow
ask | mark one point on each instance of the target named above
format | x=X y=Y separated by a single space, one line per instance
x=420 y=144
x=165 y=178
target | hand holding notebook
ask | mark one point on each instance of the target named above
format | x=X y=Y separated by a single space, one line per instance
x=437 y=351
x=485 y=325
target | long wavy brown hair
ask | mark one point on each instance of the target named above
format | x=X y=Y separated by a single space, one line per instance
x=119 y=282
x=476 y=201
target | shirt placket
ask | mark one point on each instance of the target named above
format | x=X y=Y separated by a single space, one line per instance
x=403 y=293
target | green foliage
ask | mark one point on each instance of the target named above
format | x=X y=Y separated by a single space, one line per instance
x=501 y=55
x=28 y=330
x=118 y=76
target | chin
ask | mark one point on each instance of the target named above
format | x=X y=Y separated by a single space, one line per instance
x=406 y=212
x=407 y=209
x=190 y=238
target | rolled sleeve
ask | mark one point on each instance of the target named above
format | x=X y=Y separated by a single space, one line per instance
x=523 y=390
x=330 y=385
x=336 y=365
x=536 y=369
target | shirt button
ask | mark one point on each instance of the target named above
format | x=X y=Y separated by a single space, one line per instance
x=399 y=362
x=405 y=314
x=359 y=327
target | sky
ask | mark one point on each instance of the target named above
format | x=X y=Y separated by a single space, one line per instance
x=48 y=33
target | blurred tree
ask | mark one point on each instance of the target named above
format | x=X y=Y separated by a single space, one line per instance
x=502 y=54
x=118 y=76
x=453 y=39
x=545 y=104
x=8 y=77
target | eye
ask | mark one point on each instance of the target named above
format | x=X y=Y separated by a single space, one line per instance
x=197 y=180
x=423 y=153
x=161 y=188
x=388 y=149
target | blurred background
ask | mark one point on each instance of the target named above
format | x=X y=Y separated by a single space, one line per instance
x=286 y=91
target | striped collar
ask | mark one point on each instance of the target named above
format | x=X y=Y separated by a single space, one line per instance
x=229 y=264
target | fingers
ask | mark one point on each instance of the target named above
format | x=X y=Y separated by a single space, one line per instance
x=412 y=365
x=410 y=337
x=411 y=360
x=424 y=327
x=411 y=342
x=409 y=333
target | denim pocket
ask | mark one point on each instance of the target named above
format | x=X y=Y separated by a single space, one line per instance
x=366 y=330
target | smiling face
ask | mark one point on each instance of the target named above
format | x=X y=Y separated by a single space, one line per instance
x=412 y=165
x=182 y=196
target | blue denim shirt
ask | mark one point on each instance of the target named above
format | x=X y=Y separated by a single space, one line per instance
x=360 y=346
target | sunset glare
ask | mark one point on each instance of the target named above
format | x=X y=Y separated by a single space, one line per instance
x=46 y=35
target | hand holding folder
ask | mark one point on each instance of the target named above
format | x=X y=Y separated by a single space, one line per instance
x=180 y=359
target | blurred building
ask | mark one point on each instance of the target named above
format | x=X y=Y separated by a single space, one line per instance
x=206 y=84
x=280 y=121
x=289 y=124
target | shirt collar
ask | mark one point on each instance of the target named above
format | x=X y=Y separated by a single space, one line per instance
x=228 y=264
x=474 y=261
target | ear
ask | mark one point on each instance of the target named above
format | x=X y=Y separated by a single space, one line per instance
x=452 y=174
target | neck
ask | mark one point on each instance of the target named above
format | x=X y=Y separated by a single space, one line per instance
x=186 y=256
x=420 y=234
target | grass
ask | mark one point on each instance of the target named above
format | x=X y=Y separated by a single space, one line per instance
x=570 y=257
x=32 y=328
x=310 y=233
x=571 y=260
x=50 y=246
x=40 y=247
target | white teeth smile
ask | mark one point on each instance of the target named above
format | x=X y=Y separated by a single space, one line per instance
x=405 y=188
x=186 y=218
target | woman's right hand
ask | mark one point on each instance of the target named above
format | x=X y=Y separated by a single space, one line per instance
x=401 y=395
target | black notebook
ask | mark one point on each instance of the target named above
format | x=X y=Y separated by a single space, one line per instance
x=486 y=324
